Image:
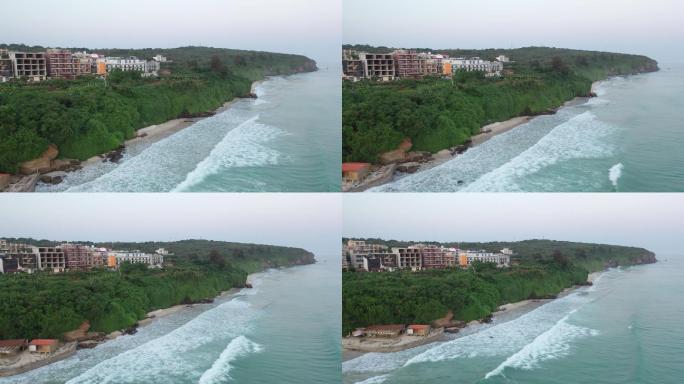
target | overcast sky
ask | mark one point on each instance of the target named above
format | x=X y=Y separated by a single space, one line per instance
x=651 y=27
x=309 y=27
x=310 y=221
x=653 y=221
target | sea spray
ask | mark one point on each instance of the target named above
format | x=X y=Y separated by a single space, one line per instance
x=614 y=174
x=220 y=369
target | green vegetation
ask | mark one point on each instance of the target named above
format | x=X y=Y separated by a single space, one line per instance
x=87 y=116
x=437 y=114
x=47 y=305
x=544 y=269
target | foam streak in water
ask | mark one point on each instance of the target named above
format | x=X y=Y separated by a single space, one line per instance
x=552 y=344
x=240 y=147
x=219 y=371
x=615 y=173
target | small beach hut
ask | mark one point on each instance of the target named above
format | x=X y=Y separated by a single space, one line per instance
x=43 y=345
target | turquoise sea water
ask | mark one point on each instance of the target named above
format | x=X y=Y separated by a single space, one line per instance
x=628 y=139
x=284 y=330
x=627 y=328
x=289 y=139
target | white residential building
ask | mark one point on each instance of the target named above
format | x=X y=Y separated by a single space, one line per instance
x=137 y=257
x=126 y=64
x=500 y=259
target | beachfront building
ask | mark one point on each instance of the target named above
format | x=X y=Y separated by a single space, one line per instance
x=12 y=347
x=418 y=330
x=29 y=65
x=43 y=346
x=387 y=330
x=353 y=172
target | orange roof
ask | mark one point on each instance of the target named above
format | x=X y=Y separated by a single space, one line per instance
x=419 y=326
x=43 y=341
x=12 y=342
x=352 y=167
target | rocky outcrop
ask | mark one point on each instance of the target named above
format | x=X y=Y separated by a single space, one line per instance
x=25 y=184
x=410 y=167
x=53 y=177
x=42 y=164
x=5 y=179
x=379 y=177
x=392 y=157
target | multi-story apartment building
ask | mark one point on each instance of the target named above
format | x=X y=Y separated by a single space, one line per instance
x=379 y=66
x=409 y=63
x=409 y=258
x=466 y=258
x=116 y=258
x=63 y=63
x=432 y=64
x=477 y=64
x=131 y=63
x=82 y=257
x=26 y=256
x=29 y=65
x=51 y=259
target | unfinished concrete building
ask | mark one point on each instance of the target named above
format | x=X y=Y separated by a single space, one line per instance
x=408 y=63
x=378 y=66
x=408 y=258
x=26 y=256
x=29 y=65
x=52 y=259
x=353 y=67
x=6 y=66
x=81 y=257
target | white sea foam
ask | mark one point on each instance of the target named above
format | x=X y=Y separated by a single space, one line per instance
x=552 y=344
x=240 y=147
x=374 y=380
x=219 y=371
x=614 y=174
x=165 y=358
x=578 y=138
x=504 y=338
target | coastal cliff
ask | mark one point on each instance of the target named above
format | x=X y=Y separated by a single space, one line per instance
x=540 y=269
x=437 y=114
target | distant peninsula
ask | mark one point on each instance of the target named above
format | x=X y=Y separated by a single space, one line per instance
x=62 y=106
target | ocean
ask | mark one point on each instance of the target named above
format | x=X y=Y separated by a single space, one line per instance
x=286 y=140
x=626 y=328
x=284 y=330
x=628 y=139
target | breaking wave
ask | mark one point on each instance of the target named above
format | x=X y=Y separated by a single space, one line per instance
x=552 y=344
x=219 y=371
x=578 y=138
x=240 y=147
x=374 y=380
x=165 y=359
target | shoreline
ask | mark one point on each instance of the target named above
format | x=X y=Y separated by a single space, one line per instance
x=507 y=312
x=389 y=173
x=68 y=349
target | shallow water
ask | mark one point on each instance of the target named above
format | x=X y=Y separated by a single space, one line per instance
x=628 y=139
x=288 y=139
x=275 y=332
x=624 y=329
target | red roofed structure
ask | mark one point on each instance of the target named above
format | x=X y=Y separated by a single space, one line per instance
x=355 y=171
x=43 y=345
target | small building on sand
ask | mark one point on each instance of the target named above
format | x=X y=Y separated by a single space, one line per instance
x=418 y=330
x=387 y=330
x=355 y=171
x=12 y=347
x=43 y=345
